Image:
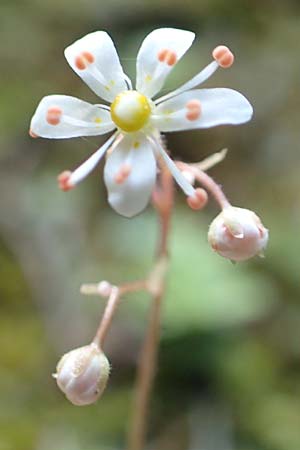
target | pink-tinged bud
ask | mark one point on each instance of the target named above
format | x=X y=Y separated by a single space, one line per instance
x=82 y=374
x=237 y=234
x=104 y=288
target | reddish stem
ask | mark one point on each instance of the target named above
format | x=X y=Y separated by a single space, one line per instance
x=163 y=201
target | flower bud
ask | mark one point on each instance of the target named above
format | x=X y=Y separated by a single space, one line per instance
x=237 y=234
x=82 y=374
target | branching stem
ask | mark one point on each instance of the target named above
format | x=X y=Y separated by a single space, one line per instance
x=155 y=285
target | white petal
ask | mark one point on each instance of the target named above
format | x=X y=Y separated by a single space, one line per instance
x=132 y=196
x=179 y=177
x=85 y=169
x=153 y=66
x=219 y=106
x=75 y=118
x=104 y=75
x=198 y=79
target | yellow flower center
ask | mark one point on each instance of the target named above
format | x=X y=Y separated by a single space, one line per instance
x=130 y=111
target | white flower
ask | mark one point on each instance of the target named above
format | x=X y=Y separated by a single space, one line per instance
x=82 y=374
x=237 y=234
x=130 y=169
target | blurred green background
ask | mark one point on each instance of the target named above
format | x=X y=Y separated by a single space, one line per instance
x=229 y=364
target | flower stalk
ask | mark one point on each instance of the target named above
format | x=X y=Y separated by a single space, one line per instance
x=163 y=202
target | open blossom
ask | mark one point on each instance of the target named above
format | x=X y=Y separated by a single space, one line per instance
x=131 y=166
x=238 y=234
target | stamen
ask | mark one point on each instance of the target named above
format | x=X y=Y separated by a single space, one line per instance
x=193 y=110
x=179 y=178
x=223 y=56
x=54 y=114
x=97 y=75
x=128 y=81
x=167 y=56
x=64 y=181
x=115 y=143
x=81 y=123
x=198 y=200
x=123 y=174
x=32 y=134
x=195 y=81
x=82 y=171
x=102 y=106
x=83 y=60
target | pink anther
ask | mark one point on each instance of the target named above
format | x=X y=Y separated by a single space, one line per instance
x=193 y=110
x=198 y=200
x=32 y=134
x=223 y=56
x=167 y=56
x=123 y=174
x=83 y=60
x=53 y=115
x=64 y=181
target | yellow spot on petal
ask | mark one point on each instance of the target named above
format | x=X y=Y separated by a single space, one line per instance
x=107 y=88
x=167 y=112
x=112 y=82
x=98 y=120
x=136 y=144
x=148 y=78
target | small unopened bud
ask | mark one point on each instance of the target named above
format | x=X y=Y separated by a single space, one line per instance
x=82 y=374
x=104 y=288
x=237 y=234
